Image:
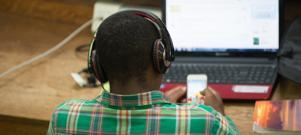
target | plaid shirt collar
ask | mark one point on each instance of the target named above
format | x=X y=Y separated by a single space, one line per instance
x=140 y=99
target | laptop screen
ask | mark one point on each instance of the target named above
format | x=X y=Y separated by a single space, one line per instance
x=223 y=25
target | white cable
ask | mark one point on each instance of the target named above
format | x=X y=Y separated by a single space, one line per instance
x=56 y=47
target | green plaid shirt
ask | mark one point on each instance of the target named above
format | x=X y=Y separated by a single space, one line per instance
x=145 y=113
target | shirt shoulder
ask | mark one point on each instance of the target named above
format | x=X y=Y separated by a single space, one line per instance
x=212 y=121
x=69 y=112
x=74 y=102
x=74 y=107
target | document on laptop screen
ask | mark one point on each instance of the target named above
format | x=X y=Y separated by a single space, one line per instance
x=220 y=25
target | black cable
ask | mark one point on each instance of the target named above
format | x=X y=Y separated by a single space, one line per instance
x=82 y=49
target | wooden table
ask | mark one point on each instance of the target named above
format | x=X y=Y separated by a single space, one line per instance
x=34 y=91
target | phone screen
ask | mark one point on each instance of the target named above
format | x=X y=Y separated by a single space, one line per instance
x=195 y=84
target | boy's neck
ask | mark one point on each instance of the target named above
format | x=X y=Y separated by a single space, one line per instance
x=133 y=87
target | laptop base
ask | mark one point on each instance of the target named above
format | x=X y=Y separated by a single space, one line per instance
x=233 y=91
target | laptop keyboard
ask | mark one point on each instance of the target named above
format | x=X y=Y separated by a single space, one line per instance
x=223 y=73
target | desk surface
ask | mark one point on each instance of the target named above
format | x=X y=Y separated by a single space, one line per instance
x=34 y=91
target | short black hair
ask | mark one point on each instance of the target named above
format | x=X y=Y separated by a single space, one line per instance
x=124 y=43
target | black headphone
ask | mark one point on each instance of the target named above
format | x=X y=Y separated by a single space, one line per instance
x=162 y=53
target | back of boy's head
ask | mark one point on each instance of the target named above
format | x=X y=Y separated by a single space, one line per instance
x=124 y=44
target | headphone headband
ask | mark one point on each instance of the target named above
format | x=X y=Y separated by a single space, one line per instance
x=163 y=51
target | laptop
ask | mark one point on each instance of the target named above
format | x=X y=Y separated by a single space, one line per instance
x=233 y=42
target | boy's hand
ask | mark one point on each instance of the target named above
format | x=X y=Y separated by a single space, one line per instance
x=175 y=94
x=213 y=99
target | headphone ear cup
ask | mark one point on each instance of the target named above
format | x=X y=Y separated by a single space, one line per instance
x=161 y=64
x=92 y=65
x=165 y=36
x=99 y=72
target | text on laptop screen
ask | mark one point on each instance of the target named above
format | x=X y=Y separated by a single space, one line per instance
x=223 y=25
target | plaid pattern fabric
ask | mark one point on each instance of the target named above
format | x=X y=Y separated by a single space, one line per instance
x=145 y=113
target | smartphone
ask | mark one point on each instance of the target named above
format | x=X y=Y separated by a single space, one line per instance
x=195 y=84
